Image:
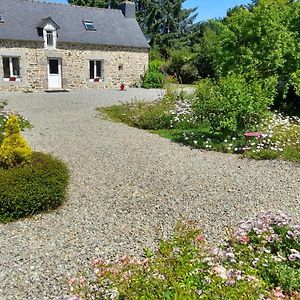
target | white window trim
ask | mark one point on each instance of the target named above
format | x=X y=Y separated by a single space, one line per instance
x=46 y=29
x=95 y=70
x=86 y=22
x=11 y=70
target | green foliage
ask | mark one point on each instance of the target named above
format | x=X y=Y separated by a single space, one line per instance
x=154 y=78
x=262 y=41
x=96 y=3
x=4 y=115
x=180 y=269
x=180 y=64
x=264 y=154
x=144 y=115
x=38 y=185
x=14 y=149
x=268 y=247
x=281 y=139
x=292 y=153
x=156 y=65
x=232 y=105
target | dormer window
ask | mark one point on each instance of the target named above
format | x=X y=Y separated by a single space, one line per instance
x=50 y=36
x=47 y=28
x=89 y=25
x=1 y=18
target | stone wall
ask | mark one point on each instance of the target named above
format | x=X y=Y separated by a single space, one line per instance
x=120 y=64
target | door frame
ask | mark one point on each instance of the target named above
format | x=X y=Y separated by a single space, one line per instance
x=59 y=73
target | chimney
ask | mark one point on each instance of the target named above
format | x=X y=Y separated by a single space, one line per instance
x=128 y=9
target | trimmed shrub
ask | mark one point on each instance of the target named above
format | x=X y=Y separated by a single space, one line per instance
x=35 y=186
x=14 y=148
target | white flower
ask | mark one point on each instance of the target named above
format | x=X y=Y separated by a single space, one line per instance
x=221 y=271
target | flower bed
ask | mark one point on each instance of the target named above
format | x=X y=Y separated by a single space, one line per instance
x=174 y=117
x=261 y=260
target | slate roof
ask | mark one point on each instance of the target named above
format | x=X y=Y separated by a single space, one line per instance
x=22 y=17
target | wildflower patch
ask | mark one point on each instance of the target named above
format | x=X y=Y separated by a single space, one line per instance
x=260 y=260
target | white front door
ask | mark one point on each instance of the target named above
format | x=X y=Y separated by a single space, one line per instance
x=54 y=73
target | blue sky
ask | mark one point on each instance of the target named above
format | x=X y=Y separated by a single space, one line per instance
x=207 y=9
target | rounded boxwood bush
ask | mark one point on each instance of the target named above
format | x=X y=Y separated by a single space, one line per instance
x=38 y=185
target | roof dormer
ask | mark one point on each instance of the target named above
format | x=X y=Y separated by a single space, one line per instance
x=47 y=28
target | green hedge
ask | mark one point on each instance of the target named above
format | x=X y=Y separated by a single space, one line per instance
x=39 y=185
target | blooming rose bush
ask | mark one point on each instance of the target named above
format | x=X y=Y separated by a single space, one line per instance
x=261 y=260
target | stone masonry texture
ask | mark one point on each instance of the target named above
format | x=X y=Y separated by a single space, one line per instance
x=120 y=65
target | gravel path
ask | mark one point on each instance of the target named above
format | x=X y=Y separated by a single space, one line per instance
x=126 y=186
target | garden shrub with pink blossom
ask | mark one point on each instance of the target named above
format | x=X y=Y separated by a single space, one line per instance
x=260 y=260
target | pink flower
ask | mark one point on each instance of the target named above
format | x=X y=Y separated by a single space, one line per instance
x=72 y=280
x=245 y=239
x=200 y=238
x=81 y=280
x=276 y=294
x=96 y=261
x=123 y=259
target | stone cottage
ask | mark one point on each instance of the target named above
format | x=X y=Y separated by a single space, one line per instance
x=47 y=46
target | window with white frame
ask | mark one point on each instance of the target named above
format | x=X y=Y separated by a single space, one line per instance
x=11 y=68
x=50 y=36
x=96 y=70
x=89 y=25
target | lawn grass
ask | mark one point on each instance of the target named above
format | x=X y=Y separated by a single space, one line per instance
x=200 y=137
x=214 y=142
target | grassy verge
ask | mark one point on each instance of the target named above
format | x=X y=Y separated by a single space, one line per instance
x=38 y=185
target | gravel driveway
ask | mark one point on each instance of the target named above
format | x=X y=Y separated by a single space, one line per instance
x=127 y=186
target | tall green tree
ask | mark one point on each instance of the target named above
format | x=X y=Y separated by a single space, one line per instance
x=262 y=41
x=96 y=3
